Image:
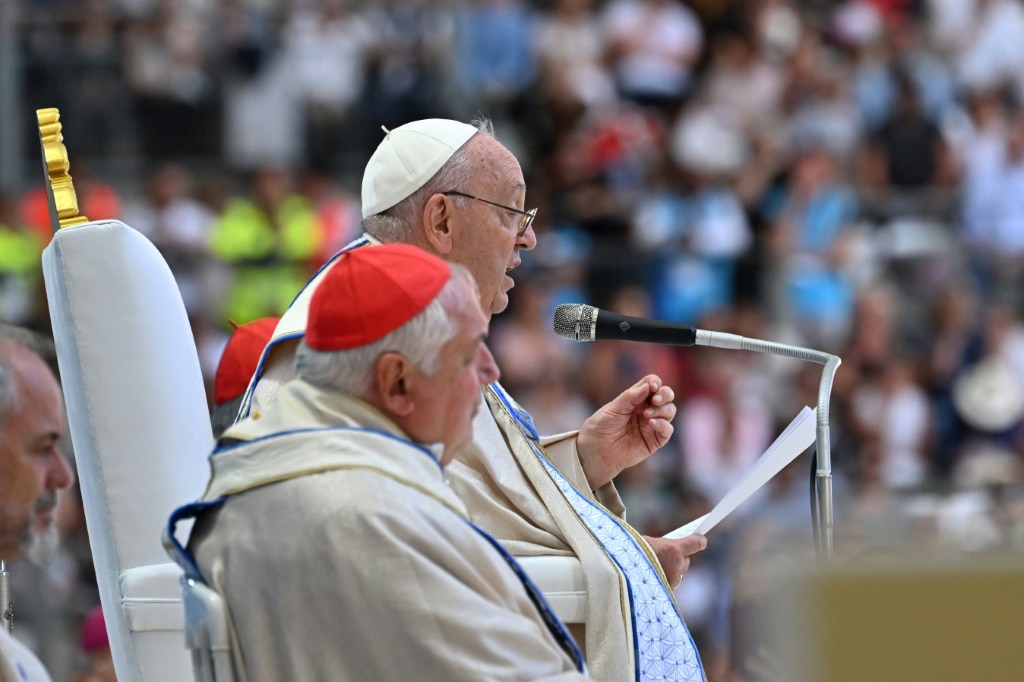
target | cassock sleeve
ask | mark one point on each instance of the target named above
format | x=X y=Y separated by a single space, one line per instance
x=561 y=450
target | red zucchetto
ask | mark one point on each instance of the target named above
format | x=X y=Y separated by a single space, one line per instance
x=240 y=357
x=370 y=292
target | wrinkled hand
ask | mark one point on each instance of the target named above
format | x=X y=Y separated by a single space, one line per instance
x=674 y=555
x=626 y=431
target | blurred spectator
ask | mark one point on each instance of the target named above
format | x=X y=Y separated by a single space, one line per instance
x=328 y=45
x=873 y=335
x=989 y=49
x=96 y=646
x=263 y=110
x=742 y=84
x=172 y=87
x=1006 y=245
x=653 y=47
x=20 y=269
x=270 y=243
x=890 y=411
x=820 y=110
x=493 y=57
x=410 y=61
x=338 y=212
x=523 y=341
x=700 y=219
x=724 y=426
x=908 y=155
x=807 y=241
x=980 y=153
x=102 y=124
x=952 y=344
x=988 y=393
x=179 y=226
x=570 y=52
x=930 y=75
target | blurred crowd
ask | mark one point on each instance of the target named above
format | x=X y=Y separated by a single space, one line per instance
x=842 y=175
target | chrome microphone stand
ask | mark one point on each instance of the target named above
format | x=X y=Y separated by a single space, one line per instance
x=821 y=517
x=6 y=612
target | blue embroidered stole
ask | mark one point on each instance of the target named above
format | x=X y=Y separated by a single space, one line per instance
x=662 y=645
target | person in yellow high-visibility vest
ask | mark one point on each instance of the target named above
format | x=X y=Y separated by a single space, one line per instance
x=271 y=243
x=20 y=271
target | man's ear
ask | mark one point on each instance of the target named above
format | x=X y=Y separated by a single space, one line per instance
x=392 y=375
x=437 y=224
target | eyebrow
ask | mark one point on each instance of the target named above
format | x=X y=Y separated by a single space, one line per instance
x=516 y=187
x=49 y=437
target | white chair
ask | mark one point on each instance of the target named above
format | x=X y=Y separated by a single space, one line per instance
x=138 y=420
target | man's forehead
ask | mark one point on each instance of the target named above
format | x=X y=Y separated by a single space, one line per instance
x=495 y=160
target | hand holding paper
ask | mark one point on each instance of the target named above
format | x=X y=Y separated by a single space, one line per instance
x=796 y=438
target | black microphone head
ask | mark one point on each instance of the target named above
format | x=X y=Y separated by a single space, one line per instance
x=575 y=321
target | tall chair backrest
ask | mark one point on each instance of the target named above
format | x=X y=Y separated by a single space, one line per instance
x=137 y=416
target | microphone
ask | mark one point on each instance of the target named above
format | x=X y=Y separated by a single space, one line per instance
x=586 y=323
x=581 y=322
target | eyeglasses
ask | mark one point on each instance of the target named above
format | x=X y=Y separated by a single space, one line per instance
x=526 y=217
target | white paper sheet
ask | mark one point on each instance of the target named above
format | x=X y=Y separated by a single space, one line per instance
x=796 y=438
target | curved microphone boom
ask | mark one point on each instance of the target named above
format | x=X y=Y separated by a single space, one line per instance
x=581 y=322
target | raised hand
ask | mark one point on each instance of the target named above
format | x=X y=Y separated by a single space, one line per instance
x=627 y=430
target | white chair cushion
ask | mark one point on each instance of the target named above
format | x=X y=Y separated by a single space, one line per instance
x=151 y=598
x=561 y=580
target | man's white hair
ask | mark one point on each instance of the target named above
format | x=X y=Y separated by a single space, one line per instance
x=419 y=340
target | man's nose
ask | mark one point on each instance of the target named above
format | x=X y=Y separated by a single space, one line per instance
x=528 y=240
x=488 y=371
x=60 y=474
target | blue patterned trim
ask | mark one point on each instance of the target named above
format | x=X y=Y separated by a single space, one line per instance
x=663 y=646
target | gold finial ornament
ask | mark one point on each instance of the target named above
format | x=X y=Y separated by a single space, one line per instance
x=60 y=191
